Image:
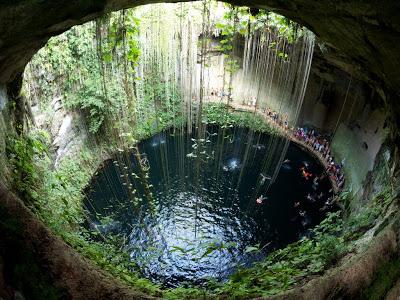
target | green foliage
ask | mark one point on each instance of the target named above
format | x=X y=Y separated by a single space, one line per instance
x=59 y=205
x=182 y=293
x=358 y=222
x=250 y=249
x=216 y=246
x=120 y=40
x=161 y=107
x=229 y=33
x=246 y=23
x=220 y=114
x=96 y=108
x=62 y=192
x=22 y=153
x=110 y=258
x=60 y=66
x=88 y=69
x=57 y=195
x=283 y=268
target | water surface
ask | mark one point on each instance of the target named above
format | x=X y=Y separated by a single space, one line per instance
x=190 y=213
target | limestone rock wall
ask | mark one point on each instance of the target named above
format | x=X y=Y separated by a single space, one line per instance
x=353 y=113
x=65 y=128
x=360 y=37
x=335 y=103
x=4 y=120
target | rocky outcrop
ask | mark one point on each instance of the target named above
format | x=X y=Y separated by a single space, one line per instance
x=66 y=138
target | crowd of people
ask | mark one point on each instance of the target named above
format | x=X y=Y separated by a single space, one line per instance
x=319 y=142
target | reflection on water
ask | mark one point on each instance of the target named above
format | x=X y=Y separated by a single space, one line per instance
x=194 y=215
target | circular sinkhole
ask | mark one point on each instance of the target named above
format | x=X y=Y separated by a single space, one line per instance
x=188 y=208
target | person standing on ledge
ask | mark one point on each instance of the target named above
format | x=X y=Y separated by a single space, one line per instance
x=253 y=101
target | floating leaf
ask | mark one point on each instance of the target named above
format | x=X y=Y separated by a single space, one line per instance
x=250 y=249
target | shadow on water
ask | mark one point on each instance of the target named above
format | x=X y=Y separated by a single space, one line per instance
x=202 y=219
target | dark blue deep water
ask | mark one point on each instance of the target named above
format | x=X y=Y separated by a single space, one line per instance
x=190 y=213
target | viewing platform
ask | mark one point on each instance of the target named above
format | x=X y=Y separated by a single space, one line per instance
x=284 y=131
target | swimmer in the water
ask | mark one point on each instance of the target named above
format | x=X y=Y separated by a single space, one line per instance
x=261 y=199
x=305 y=174
x=310 y=198
x=286 y=161
x=259 y=146
x=264 y=177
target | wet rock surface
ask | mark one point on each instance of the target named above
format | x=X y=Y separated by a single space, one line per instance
x=359 y=37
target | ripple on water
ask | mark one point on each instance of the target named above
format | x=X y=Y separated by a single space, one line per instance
x=204 y=214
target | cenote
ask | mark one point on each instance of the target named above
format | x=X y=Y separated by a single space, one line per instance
x=199 y=150
x=185 y=207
